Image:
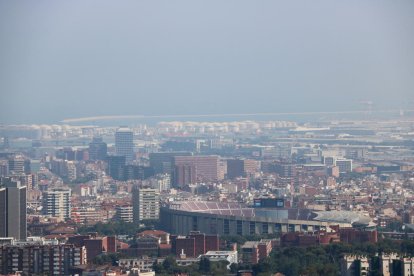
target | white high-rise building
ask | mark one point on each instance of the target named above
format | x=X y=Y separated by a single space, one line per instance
x=71 y=170
x=56 y=203
x=124 y=143
x=146 y=204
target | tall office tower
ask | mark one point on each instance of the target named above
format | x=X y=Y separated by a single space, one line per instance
x=35 y=165
x=162 y=162
x=137 y=172
x=124 y=143
x=235 y=168
x=285 y=169
x=208 y=168
x=97 y=149
x=13 y=210
x=145 y=204
x=56 y=203
x=184 y=175
x=16 y=165
x=241 y=167
x=116 y=167
x=27 y=166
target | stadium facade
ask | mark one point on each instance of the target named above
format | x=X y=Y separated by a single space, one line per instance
x=235 y=219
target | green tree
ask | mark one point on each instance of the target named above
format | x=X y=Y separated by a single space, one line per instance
x=407 y=247
x=111 y=258
x=205 y=265
x=169 y=264
x=234 y=268
x=263 y=266
x=219 y=268
x=158 y=268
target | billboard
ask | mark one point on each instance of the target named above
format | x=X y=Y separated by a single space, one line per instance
x=268 y=203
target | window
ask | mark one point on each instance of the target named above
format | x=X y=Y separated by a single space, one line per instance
x=226 y=228
x=265 y=228
x=252 y=228
x=239 y=227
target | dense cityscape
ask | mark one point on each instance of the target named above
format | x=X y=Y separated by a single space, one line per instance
x=194 y=198
x=207 y=138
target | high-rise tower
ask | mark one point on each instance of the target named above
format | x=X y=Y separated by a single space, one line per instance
x=13 y=210
x=16 y=164
x=56 y=203
x=145 y=203
x=97 y=149
x=124 y=143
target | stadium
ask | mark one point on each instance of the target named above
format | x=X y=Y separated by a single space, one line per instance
x=233 y=218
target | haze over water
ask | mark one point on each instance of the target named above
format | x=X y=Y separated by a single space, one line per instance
x=73 y=59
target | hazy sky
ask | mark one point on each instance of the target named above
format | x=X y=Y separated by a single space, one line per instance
x=63 y=59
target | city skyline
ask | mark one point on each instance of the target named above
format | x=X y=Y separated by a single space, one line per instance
x=189 y=190
x=238 y=138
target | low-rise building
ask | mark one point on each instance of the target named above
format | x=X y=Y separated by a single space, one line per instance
x=142 y=264
x=94 y=245
x=195 y=244
x=393 y=264
x=355 y=265
x=216 y=256
x=254 y=251
x=124 y=213
x=44 y=259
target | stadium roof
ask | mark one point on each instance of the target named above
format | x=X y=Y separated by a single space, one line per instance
x=354 y=218
x=239 y=209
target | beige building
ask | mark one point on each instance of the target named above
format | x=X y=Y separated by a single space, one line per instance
x=390 y=263
x=352 y=265
x=205 y=168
